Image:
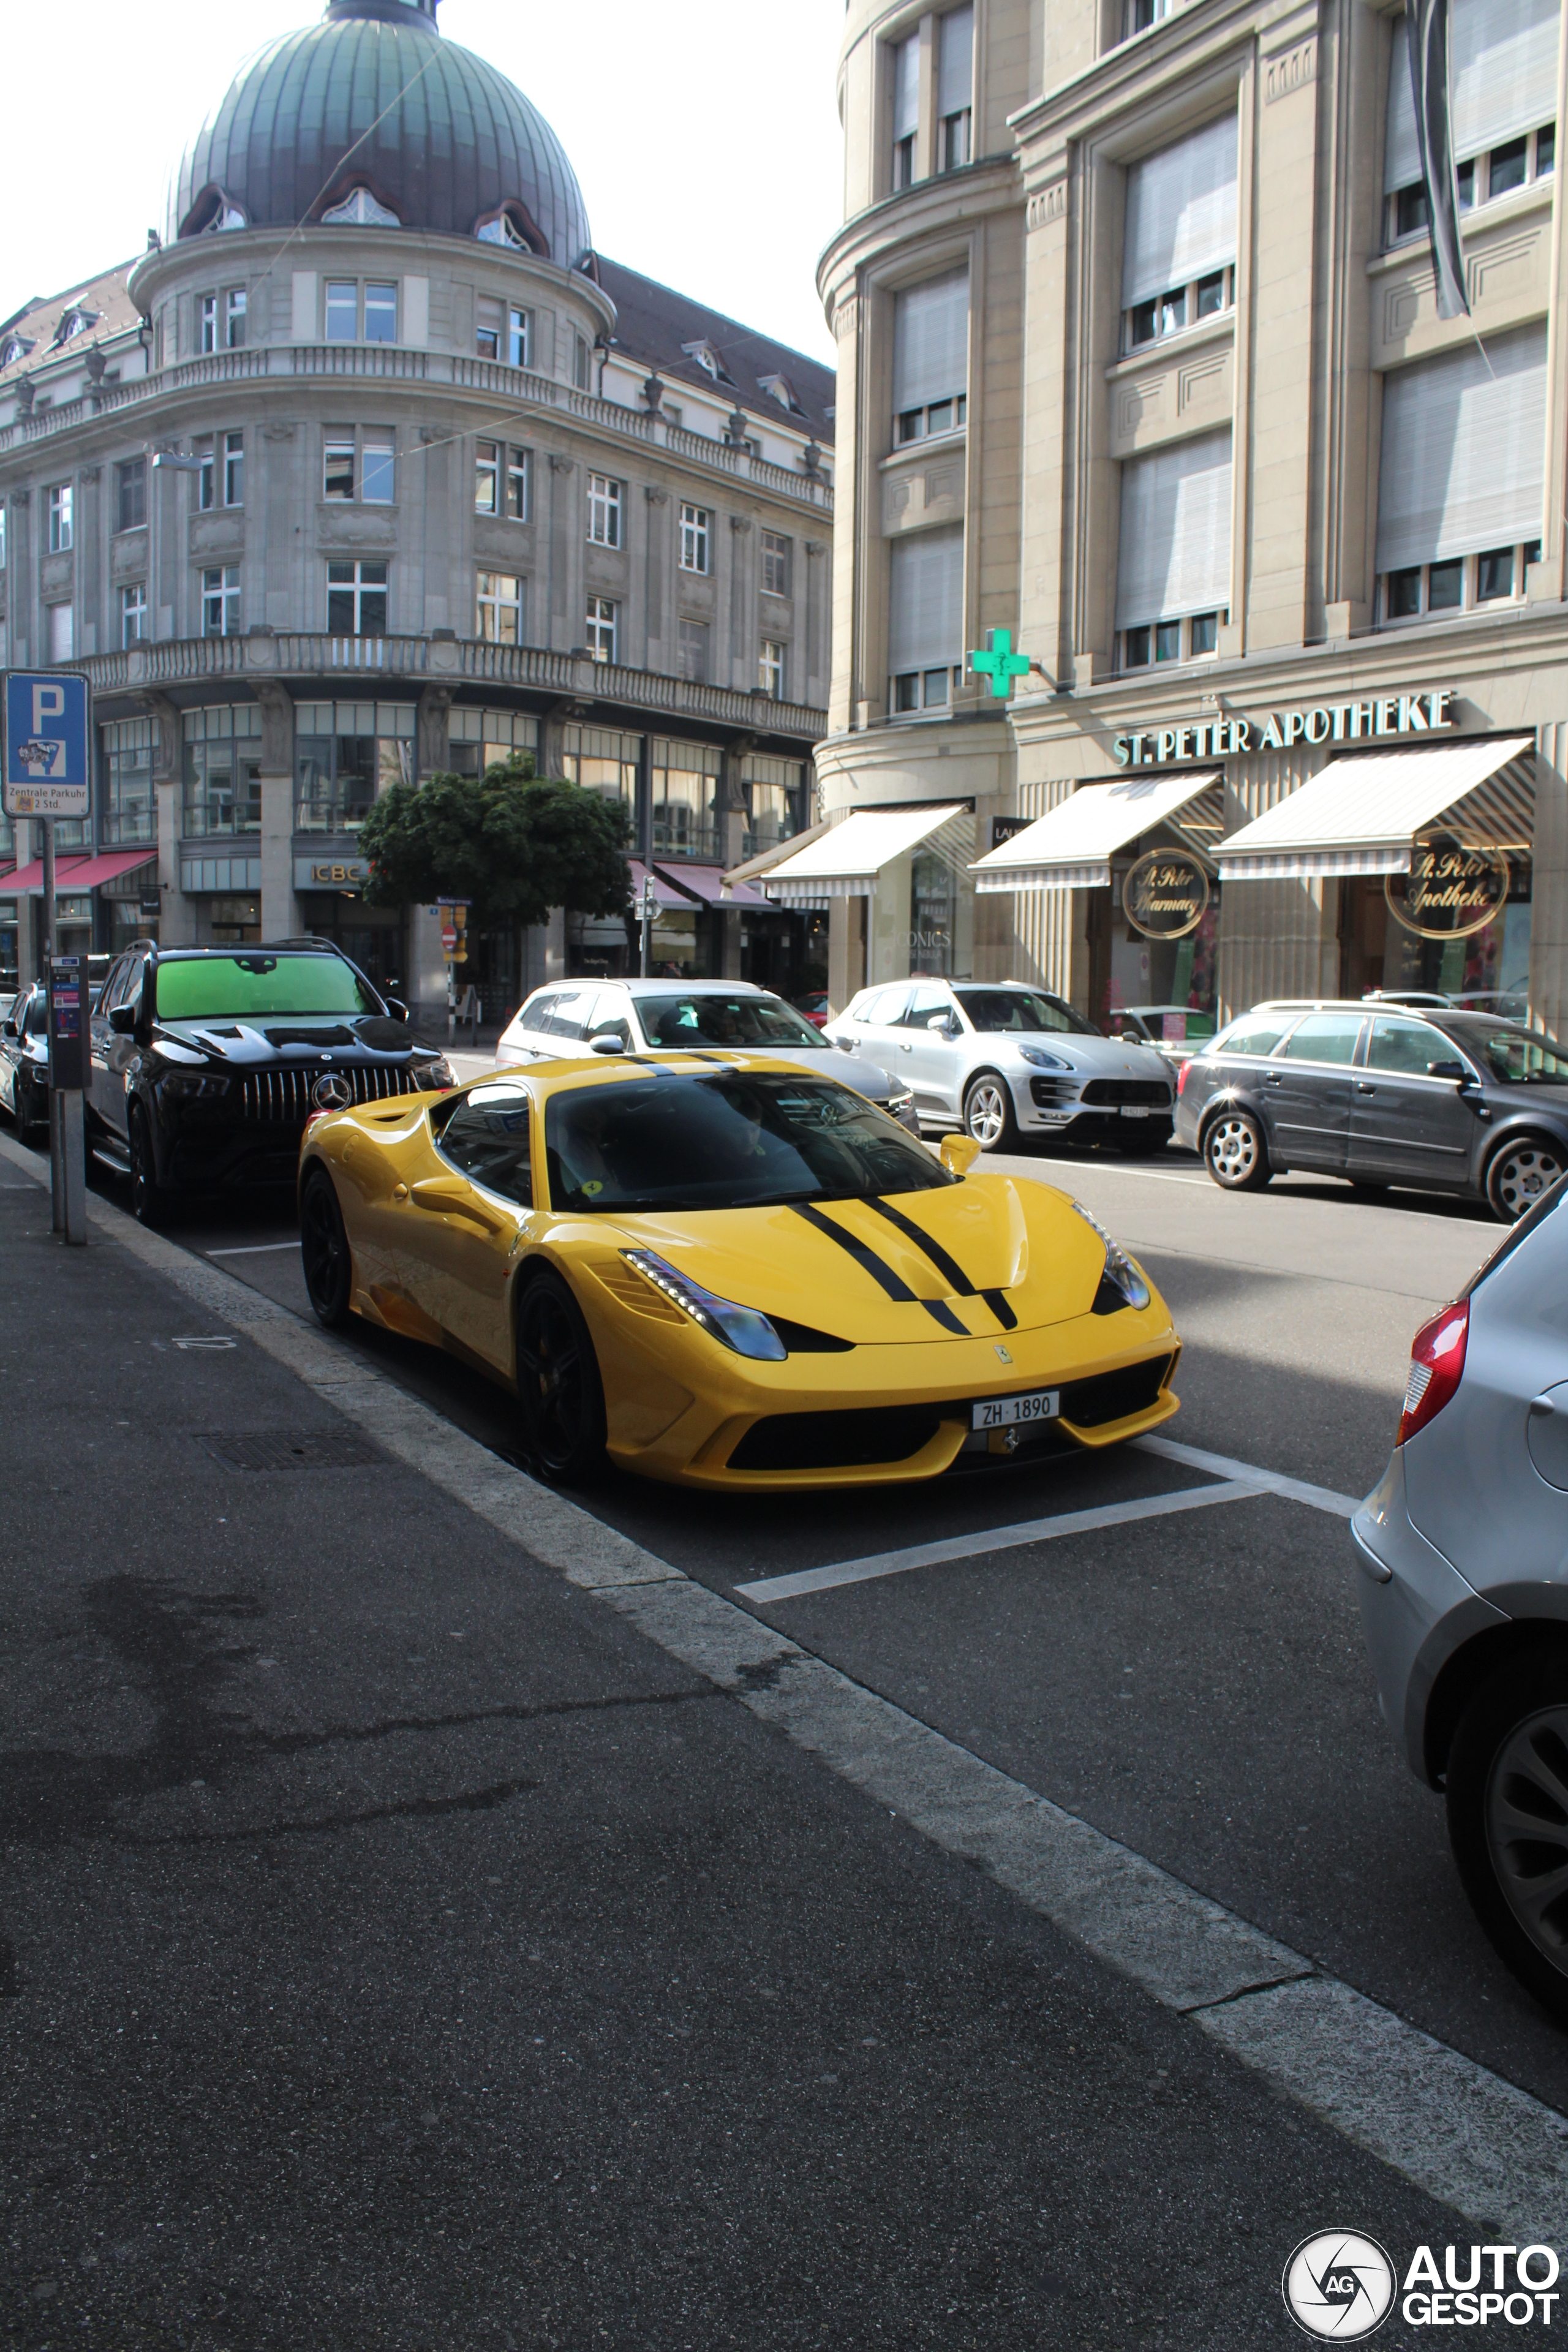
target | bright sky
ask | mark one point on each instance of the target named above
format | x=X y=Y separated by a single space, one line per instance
x=705 y=135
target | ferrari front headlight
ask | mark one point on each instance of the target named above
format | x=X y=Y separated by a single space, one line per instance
x=743 y=1328
x=1122 y=1284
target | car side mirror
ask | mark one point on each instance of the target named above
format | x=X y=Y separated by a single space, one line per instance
x=958 y=1153
x=10 y=1027
x=609 y=1044
x=122 y=1019
x=941 y=1021
x=395 y=1008
x=1449 y=1070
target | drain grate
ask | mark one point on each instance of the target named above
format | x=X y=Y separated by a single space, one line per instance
x=288 y=1449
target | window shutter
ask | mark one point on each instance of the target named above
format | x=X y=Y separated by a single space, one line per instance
x=931 y=340
x=907 y=87
x=1181 y=212
x=1503 y=66
x=955 y=62
x=925 y=623
x=1174 y=552
x=1464 y=451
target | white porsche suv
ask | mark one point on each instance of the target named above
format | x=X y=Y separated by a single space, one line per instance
x=1004 y=1061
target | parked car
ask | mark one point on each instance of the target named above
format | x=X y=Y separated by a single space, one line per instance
x=1442 y=1100
x=1001 y=1060
x=208 y=1062
x=1175 y=1031
x=24 y=1060
x=734 y=1275
x=1463 y=1587
x=710 y=1016
x=816 y=1008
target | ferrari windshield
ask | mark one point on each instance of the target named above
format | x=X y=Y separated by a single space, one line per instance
x=252 y=987
x=725 y=1142
x=1518 y=1057
x=699 y=1019
x=994 y=1010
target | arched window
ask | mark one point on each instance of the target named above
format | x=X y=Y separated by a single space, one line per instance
x=512 y=225
x=362 y=210
x=213 y=211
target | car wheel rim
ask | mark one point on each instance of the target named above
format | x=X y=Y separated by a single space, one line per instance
x=1527 y=1829
x=552 y=1371
x=323 y=1248
x=1233 y=1150
x=1524 y=1175
x=988 y=1114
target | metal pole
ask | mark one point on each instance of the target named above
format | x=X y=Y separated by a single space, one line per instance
x=57 y=1150
x=646 y=924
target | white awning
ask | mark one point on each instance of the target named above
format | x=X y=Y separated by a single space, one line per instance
x=1360 y=815
x=845 y=861
x=1071 y=847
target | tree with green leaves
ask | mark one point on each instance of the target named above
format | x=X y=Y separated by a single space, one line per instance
x=514 y=844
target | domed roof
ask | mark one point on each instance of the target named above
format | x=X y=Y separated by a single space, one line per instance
x=457 y=148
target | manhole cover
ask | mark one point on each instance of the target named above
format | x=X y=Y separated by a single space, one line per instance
x=290 y=1449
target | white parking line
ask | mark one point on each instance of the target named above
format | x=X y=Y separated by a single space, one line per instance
x=1273 y=1481
x=989 y=1539
x=253 y=1249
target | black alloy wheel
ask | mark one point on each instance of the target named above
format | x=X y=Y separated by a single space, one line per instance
x=21 y=1107
x=1236 y=1152
x=149 y=1199
x=988 y=1112
x=558 y=1384
x=1506 y=1790
x=324 y=1250
x=1526 y=1166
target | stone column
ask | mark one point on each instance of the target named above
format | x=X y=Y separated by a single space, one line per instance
x=424 y=972
x=279 y=910
x=89 y=562
x=743 y=605
x=20 y=561
x=662 y=648
x=731 y=814
x=568 y=613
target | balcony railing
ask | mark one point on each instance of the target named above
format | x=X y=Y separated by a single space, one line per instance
x=292 y=654
x=518 y=388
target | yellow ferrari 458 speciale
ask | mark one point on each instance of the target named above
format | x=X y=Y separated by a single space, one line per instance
x=732 y=1274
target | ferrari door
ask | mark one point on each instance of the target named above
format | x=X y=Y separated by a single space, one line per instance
x=468 y=1191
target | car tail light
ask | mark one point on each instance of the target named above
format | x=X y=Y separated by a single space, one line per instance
x=1182 y=1075
x=1436 y=1364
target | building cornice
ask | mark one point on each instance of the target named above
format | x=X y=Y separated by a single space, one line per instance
x=1124 y=85
x=931 y=207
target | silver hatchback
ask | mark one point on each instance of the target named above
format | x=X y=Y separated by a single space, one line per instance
x=1463 y=1549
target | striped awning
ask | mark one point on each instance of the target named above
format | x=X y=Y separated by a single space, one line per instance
x=845 y=861
x=1071 y=847
x=1362 y=815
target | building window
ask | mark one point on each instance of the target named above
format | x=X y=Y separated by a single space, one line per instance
x=130 y=494
x=519 y=485
x=955 y=87
x=61 y=632
x=580 y=363
x=604 y=628
x=771 y=668
x=1178 y=263
x=694 y=652
x=477 y=740
x=1482 y=179
x=930 y=356
x=906 y=62
x=207 y=304
x=925 y=617
x=1502 y=62
x=220 y=601
x=234 y=469
x=1141 y=14
x=1461 y=484
x=377 y=470
x=775 y=564
x=338 y=465
x=602 y=762
x=234 y=318
x=489 y=326
x=775 y=802
x=59 y=514
x=346 y=755
x=380 y=313
x=356 y=599
x=603 y=511
x=502 y=473
x=695 y=526
x=500 y=608
x=128 y=812
x=221 y=770
x=487 y=476
x=342 y=309
x=519 y=336
x=206 y=476
x=1173 y=576
x=2 y=534
x=133 y=614
x=685 y=800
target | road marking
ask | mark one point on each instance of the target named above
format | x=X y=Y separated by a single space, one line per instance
x=1273 y=1481
x=253 y=1249
x=1024 y=1532
x=1453 y=2127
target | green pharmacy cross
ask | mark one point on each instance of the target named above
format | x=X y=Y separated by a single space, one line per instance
x=1000 y=664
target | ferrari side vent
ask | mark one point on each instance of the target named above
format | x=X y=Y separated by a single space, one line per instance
x=625 y=1284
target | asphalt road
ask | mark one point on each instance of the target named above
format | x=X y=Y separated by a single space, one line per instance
x=1194 y=1683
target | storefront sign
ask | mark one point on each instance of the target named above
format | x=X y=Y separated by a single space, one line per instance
x=344 y=874
x=1227 y=737
x=1003 y=828
x=1165 y=894
x=1449 y=891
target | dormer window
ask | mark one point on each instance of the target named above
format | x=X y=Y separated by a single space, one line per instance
x=213 y=211
x=511 y=225
x=778 y=387
x=16 y=347
x=74 y=322
x=708 y=361
x=360 y=209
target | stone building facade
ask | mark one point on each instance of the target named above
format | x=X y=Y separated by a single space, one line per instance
x=1141 y=362
x=372 y=467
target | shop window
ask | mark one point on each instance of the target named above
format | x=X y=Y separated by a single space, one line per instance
x=130 y=812
x=603 y=760
x=477 y=740
x=1179 y=246
x=221 y=772
x=685 y=800
x=775 y=802
x=347 y=754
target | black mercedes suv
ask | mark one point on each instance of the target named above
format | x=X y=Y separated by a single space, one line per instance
x=208 y=1062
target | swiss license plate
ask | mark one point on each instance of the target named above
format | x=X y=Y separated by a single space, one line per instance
x=1135 y=1111
x=998 y=1412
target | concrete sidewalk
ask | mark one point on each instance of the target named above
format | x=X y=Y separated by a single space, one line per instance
x=398 y=1949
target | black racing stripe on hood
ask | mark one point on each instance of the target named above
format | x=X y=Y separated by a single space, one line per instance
x=941 y=1313
x=951 y=1273
x=998 y=1302
x=863 y=1256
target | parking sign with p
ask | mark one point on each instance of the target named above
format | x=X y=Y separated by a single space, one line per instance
x=48 y=738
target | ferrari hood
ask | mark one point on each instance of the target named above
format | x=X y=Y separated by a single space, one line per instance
x=874 y=1271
